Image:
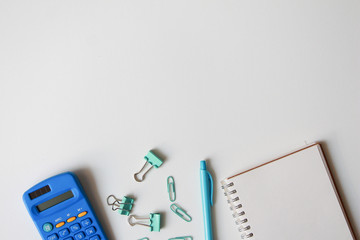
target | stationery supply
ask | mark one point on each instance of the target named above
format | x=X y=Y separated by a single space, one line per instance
x=60 y=209
x=207 y=199
x=182 y=238
x=122 y=206
x=153 y=221
x=180 y=212
x=171 y=188
x=152 y=161
x=291 y=197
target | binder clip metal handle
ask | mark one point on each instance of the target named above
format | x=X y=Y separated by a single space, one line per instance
x=151 y=161
x=153 y=221
x=112 y=200
x=143 y=176
x=133 y=220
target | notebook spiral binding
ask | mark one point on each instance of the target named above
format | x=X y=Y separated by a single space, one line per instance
x=237 y=208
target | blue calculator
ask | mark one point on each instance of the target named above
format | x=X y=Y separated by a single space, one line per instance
x=60 y=210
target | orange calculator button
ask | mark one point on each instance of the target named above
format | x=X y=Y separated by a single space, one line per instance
x=71 y=219
x=60 y=224
x=82 y=214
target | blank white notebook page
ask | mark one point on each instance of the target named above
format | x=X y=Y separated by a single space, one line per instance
x=291 y=198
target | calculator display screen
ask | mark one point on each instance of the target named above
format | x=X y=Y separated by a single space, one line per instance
x=54 y=201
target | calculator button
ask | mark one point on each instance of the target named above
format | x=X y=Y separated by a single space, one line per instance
x=86 y=222
x=47 y=227
x=71 y=219
x=69 y=238
x=90 y=231
x=74 y=228
x=53 y=237
x=64 y=232
x=60 y=224
x=80 y=236
x=96 y=237
x=82 y=214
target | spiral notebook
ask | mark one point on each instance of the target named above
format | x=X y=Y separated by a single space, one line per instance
x=292 y=197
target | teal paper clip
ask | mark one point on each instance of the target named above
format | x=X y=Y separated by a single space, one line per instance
x=145 y=238
x=180 y=212
x=151 y=159
x=171 y=188
x=154 y=219
x=123 y=206
x=182 y=238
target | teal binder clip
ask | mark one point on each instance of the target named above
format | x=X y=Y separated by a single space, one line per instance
x=145 y=238
x=180 y=212
x=151 y=159
x=153 y=221
x=122 y=206
x=181 y=238
x=171 y=188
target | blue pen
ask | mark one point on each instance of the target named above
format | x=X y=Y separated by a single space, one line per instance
x=207 y=199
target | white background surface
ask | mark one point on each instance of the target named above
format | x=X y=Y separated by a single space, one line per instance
x=91 y=86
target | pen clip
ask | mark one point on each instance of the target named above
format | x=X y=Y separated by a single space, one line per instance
x=211 y=188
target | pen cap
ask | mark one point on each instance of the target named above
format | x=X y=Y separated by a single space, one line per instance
x=202 y=165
